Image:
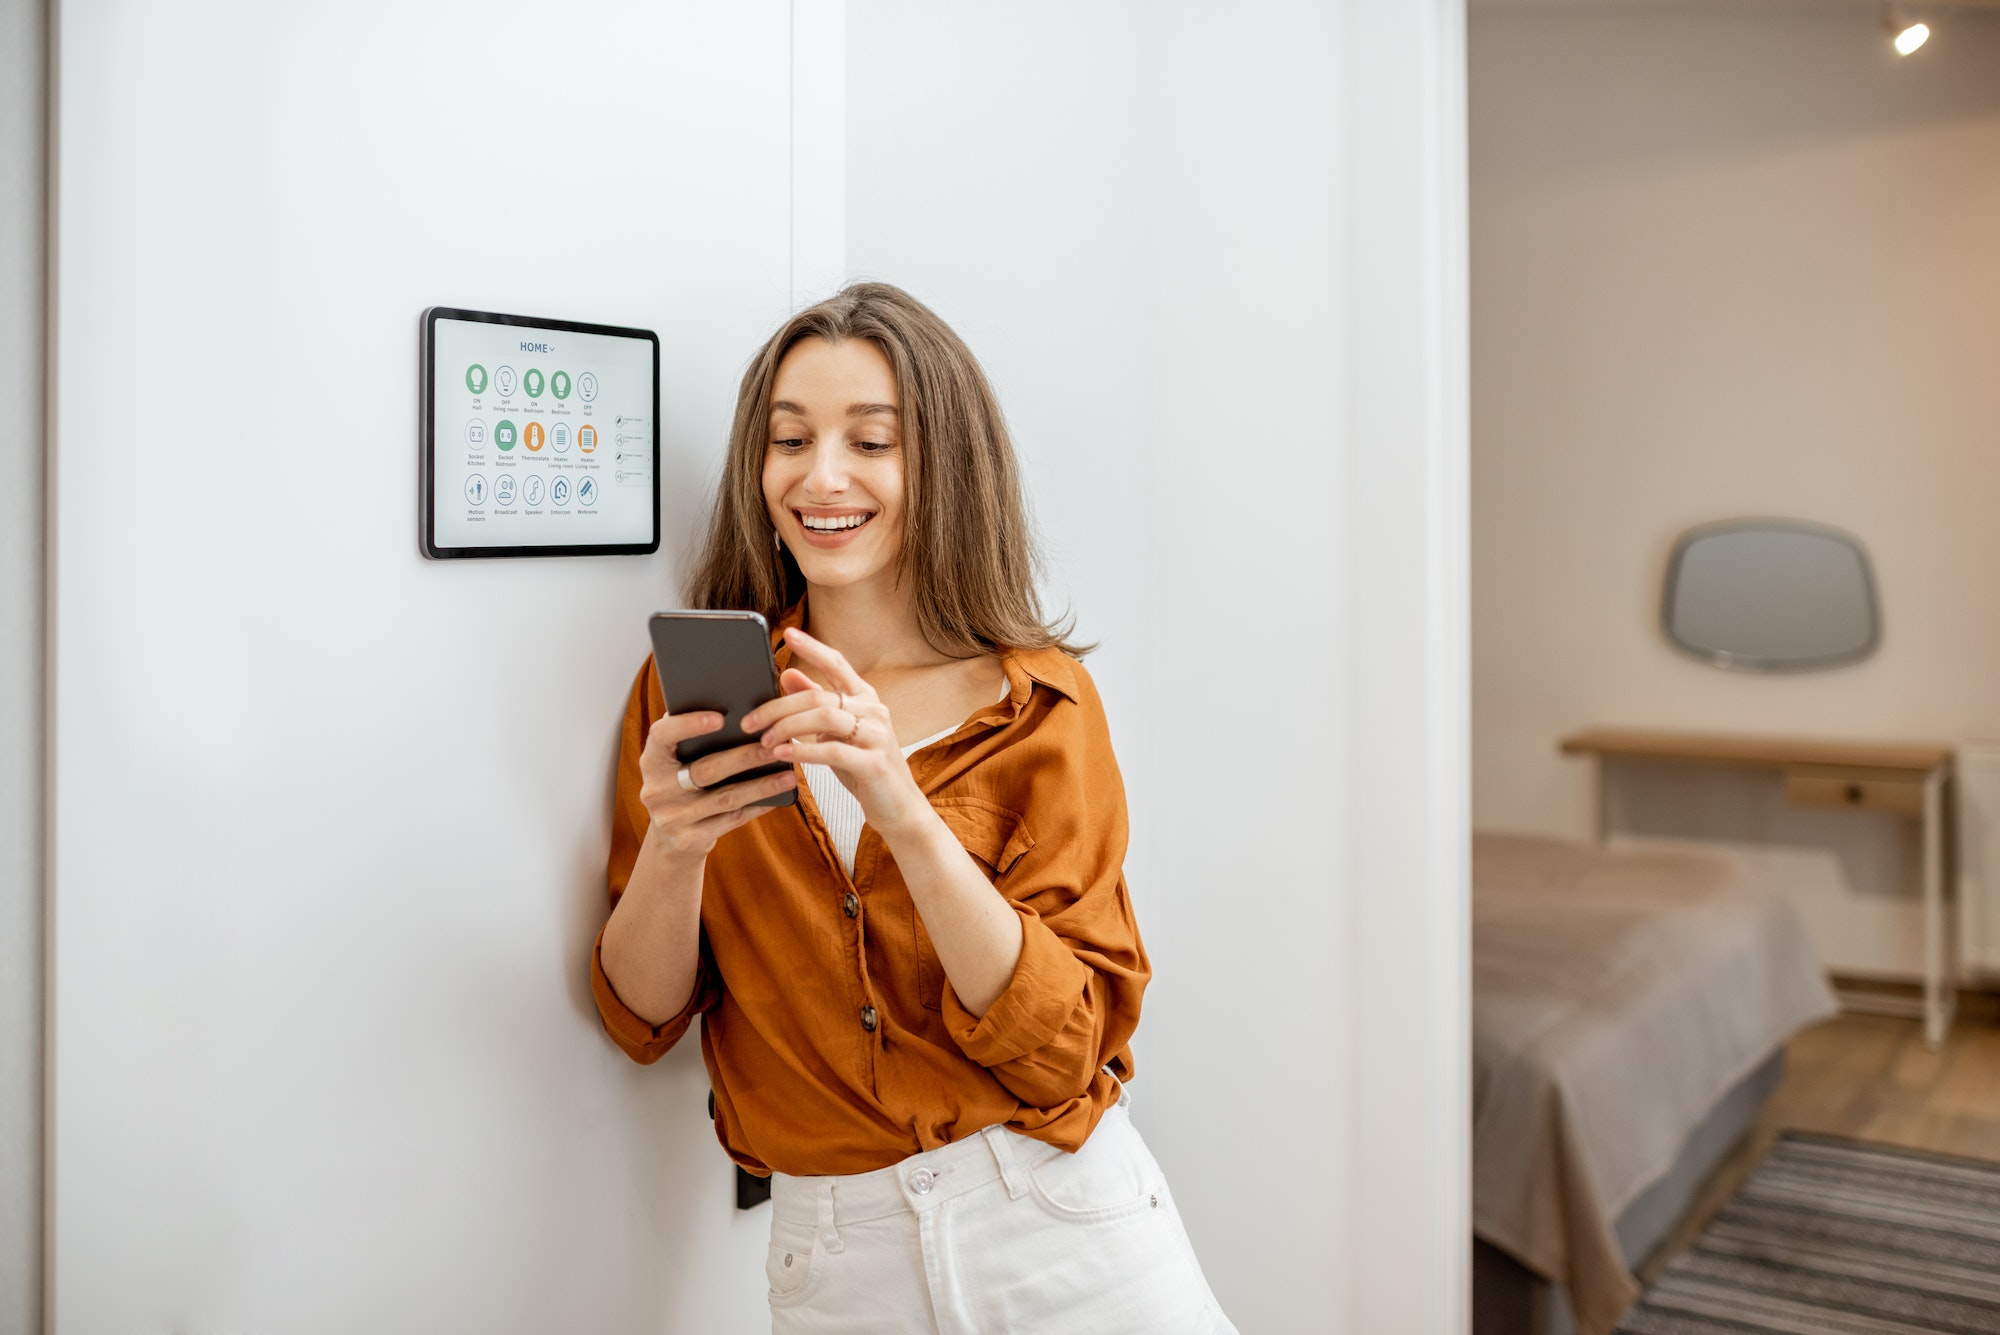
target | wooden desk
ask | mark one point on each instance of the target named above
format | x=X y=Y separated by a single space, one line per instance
x=1903 y=778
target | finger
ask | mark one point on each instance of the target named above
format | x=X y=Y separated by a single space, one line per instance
x=670 y=729
x=830 y=722
x=732 y=796
x=724 y=765
x=792 y=681
x=716 y=826
x=838 y=754
x=764 y=715
x=828 y=660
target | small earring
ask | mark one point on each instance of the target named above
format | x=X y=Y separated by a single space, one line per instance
x=777 y=543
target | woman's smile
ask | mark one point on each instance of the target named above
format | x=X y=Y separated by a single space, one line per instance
x=831 y=528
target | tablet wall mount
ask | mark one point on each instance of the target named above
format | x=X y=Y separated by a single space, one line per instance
x=540 y=437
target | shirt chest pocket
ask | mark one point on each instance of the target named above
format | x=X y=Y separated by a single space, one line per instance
x=994 y=835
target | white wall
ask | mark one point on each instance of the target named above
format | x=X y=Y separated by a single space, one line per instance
x=1726 y=261
x=330 y=820
x=1211 y=259
x=324 y=873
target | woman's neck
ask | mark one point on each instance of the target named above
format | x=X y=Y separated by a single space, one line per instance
x=873 y=625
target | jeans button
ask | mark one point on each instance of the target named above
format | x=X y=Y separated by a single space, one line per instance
x=922 y=1181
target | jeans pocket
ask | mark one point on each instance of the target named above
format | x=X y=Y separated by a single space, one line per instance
x=1110 y=1177
x=793 y=1261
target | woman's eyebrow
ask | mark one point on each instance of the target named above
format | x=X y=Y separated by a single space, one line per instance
x=853 y=409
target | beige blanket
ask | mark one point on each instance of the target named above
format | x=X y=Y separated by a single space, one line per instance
x=1618 y=994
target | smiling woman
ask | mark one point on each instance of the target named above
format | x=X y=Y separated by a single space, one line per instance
x=918 y=985
x=963 y=540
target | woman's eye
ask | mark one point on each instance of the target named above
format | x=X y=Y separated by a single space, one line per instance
x=788 y=444
x=874 y=446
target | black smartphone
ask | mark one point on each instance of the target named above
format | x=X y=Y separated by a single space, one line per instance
x=718 y=661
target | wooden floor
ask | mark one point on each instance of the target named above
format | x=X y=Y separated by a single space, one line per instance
x=1869 y=1077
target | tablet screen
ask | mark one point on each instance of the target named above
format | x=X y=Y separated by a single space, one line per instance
x=542 y=437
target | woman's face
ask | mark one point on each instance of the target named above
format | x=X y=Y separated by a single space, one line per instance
x=833 y=468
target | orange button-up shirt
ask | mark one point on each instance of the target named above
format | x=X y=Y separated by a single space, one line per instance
x=794 y=951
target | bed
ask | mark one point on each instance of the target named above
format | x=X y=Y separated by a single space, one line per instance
x=1630 y=1011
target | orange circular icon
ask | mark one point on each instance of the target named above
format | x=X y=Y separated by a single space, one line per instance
x=586 y=438
x=533 y=436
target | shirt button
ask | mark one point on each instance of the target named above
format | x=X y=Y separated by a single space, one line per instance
x=922 y=1181
x=851 y=905
x=868 y=1018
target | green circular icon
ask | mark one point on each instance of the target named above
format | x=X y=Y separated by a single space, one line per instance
x=559 y=384
x=504 y=434
x=532 y=382
x=475 y=378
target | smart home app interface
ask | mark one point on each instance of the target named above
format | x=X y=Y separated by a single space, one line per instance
x=544 y=437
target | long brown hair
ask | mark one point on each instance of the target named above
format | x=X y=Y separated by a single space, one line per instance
x=969 y=552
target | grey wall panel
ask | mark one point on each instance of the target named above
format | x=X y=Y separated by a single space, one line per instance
x=23 y=138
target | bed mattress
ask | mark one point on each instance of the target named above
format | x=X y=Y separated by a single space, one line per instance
x=1619 y=995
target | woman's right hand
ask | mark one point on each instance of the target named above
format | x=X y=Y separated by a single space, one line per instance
x=686 y=825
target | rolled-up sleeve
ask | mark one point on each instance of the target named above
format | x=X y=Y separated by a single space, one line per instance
x=1073 y=1001
x=640 y=1039
x=643 y=1041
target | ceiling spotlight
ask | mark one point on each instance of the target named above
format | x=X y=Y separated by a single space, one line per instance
x=1907 y=33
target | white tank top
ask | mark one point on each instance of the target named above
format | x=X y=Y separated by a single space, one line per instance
x=841 y=810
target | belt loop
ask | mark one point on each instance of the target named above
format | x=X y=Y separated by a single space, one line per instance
x=828 y=1234
x=1011 y=1171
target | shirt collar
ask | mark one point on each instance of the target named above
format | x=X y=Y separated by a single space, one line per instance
x=1051 y=667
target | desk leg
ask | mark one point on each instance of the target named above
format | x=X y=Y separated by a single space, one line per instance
x=1940 y=990
x=1603 y=813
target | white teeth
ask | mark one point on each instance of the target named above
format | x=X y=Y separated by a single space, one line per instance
x=832 y=523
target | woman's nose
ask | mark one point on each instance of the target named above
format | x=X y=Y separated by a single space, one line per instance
x=828 y=476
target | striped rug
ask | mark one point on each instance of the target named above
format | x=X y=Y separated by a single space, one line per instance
x=1836 y=1237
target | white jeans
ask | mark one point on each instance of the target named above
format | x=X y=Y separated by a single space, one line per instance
x=997 y=1233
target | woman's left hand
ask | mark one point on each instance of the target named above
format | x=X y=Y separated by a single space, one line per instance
x=847 y=729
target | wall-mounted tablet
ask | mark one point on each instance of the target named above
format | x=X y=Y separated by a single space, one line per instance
x=541 y=437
